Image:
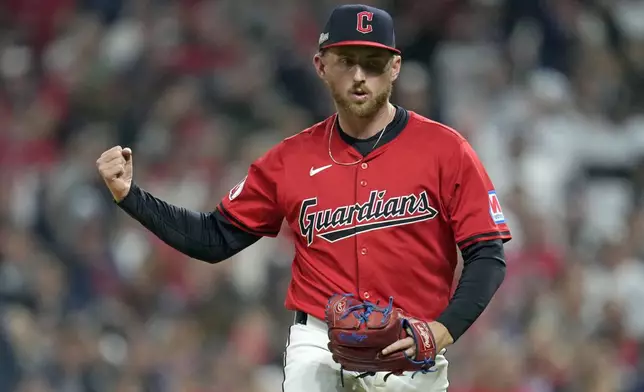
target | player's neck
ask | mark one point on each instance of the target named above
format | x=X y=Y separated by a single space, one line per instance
x=364 y=128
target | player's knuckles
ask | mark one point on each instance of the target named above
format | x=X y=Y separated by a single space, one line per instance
x=111 y=170
x=107 y=174
x=107 y=158
x=111 y=153
x=110 y=161
x=118 y=161
x=102 y=168
x=101 y=160
x=114 y=150
x=104 y=165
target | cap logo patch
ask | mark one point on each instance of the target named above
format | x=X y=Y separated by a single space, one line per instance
x=364 y=22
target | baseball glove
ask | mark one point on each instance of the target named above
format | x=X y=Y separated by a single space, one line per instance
x=360 y=330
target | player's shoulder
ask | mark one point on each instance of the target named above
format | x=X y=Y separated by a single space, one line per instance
x=304 y=138
x=314 y=130
x=295 y=145
x=434 y=131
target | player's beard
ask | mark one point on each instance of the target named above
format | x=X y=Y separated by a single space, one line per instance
x=366 y=109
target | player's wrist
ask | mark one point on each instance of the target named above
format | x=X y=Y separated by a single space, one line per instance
x=129 y=200
x=441 y=335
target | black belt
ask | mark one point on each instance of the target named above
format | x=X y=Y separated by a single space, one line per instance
x=301 y=317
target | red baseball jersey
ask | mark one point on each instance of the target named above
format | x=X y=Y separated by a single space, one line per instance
x=387 y=226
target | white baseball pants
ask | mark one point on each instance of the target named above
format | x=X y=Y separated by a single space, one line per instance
x=309 y=367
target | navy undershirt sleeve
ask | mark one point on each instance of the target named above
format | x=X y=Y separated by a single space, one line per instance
x=483 y=272
x=204 y=236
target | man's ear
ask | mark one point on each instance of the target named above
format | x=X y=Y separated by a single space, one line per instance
x=395 y=67
x=318 y=63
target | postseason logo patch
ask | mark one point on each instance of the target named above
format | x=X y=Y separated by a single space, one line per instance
x=236 y=190
x=495 y=208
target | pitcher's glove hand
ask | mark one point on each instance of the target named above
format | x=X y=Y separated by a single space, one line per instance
x=360 y=330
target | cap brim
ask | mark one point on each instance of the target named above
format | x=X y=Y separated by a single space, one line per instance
x=361 y=43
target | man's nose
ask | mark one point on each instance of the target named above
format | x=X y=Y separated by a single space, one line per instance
x=359 y=74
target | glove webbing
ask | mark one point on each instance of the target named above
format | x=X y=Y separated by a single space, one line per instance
x=362 y=312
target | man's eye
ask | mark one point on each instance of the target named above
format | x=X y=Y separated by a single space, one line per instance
x=376 y=66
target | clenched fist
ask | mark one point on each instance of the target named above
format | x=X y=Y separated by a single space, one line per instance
x=115 y=166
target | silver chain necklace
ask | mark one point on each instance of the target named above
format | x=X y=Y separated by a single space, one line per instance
x=382 y=132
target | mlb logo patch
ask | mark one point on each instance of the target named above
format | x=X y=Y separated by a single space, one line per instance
x=495 y=208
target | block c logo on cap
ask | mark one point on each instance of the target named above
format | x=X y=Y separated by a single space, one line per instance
x=363 y=18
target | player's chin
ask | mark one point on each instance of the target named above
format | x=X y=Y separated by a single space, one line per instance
x=363 y=109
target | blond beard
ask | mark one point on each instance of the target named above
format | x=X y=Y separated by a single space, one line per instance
x=362 y=110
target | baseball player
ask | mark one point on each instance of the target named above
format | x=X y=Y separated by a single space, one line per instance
x=379 y=198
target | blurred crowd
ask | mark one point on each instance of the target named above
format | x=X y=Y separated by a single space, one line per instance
x=549 y=92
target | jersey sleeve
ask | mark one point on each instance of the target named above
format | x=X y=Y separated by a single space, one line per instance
x=473 y=206
x=252 y=205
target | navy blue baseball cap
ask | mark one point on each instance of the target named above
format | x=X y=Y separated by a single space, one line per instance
x=359 y=25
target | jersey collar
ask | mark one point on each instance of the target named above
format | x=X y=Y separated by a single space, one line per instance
x=364 y=146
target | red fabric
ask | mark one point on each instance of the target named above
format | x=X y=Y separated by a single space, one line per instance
x=198 y=59
x=408 y=221
x=39 y=18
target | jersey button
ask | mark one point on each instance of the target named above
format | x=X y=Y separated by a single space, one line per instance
x=363 y=251
x=363 y=183
x=366 y=295
x=364 y=166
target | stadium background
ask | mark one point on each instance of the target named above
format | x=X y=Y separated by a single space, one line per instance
x=550 y=93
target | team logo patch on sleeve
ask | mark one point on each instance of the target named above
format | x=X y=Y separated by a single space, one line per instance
x=236 y=190
x=495 y=208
